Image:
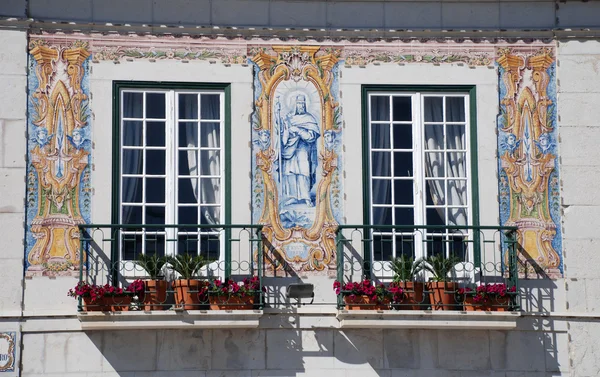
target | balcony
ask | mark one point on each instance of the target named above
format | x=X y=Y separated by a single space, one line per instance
x=474 y=257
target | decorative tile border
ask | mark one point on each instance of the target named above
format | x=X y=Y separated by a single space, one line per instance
x=8 y=341
x=528 y=157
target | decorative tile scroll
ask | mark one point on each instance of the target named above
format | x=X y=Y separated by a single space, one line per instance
x=59 y=148
x=296 y=133
x=527 y=155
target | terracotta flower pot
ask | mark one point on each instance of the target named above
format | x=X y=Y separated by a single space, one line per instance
x=120 y=303
x=363 y=302
x=442 y=295
x=231 y=302
x=97 y=306
x=186 y=293
x=412 y=296
x=494 y=304
x=155 y=294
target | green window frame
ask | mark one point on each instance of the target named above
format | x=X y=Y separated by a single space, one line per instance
x=470 y=92
x=225 y=88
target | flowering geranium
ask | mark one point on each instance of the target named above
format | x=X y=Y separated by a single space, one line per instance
x=97 y=292
x=484 y=293
x=367 y=288
x=248 y=287
x=136 y=287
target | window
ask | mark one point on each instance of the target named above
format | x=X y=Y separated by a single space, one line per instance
x=171 y=149
x=419 y=173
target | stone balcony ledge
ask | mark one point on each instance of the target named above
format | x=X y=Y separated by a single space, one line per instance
x=425 y=319
x=170 y=319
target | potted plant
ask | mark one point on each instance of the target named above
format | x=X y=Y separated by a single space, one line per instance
x=365 y=295
x=92 y=295
x=187 y=287
x=441 y=291
x=488 y=297
x=230 y=295
x=154 y=296
x=105 y=297
x=405 y=270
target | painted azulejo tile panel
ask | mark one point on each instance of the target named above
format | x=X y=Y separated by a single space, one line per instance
x=527 y=157
x=59 y=150
x=8 y=342
x=296 y=134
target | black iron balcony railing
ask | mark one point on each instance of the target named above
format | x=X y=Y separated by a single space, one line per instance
x=435 y=267
x=451 y=263
x=218 y=254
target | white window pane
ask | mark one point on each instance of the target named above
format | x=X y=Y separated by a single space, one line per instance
x=131 y=189
x=436 y=192
x=433 y=109
x=383 y=247
x=133 y=105
x=404 y=216
x=155 y=134
x=382 y=216
x=210 y=190
x=132 y=133
x=155 y=190
x=455 y=135
x=155 y=105
x=131 y=215
x=131 y=245
x=210 y=106
x=210 y=215
x=131 y=161
x=155 y=244
x=434 y=136
x=456 y=164
x=457 y=193
x=154 y=214
x=188 y=162
x=187 y=215
x=380 y=136
x=380 y=108
x=402 y=108
x=188 y=134
x=436 y=216
x=155 y=162
x=382 y=191
x=403 y=164
x=210 y=162
x=434 y=165
x=381 y=164
x=455 y=109
x=403 y=136
x=403 y=191
x=210 y=135
x=187 y=190
x=188 y=106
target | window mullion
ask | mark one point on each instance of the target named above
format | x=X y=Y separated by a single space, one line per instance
x=420 y=196
x=170 y=171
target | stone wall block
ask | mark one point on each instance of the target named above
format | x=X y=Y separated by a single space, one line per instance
x=11 y=292
x=14 y=92
x=184 y=349
x=358 y=349
x=343 y=14
x=469 y=351
x=292 y=349
x=578 y=47
x=256 y=12
x=122 y=11
x=579 y=222
x=34 y=353
x=579 y=144
x=576 y=295
x=13 y=143
x=401 y=349
x=298 y=14
x=12 y=235
x=579 y=73
x=12 y=187
x=133 y=350
x=61 y=10
x=584 y=348
x=238 y=349
x=556 y=346
x=581 y=254
x=13 y=55
x=497 y=350
x=529 y=343
x=82 y=350
x=580 y=185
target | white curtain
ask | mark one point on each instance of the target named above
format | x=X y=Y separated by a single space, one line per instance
x=380 y=161
x=205 y=162
x=455 y=164
x=132 y=160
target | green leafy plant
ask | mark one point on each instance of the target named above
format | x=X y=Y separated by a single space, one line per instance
x=152 y=264
x=440 y=266
x=406 y=268
x=186 y=265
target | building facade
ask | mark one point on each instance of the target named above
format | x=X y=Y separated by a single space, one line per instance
x=302 y=143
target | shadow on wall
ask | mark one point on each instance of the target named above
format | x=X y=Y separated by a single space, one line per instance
x=289 y=351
